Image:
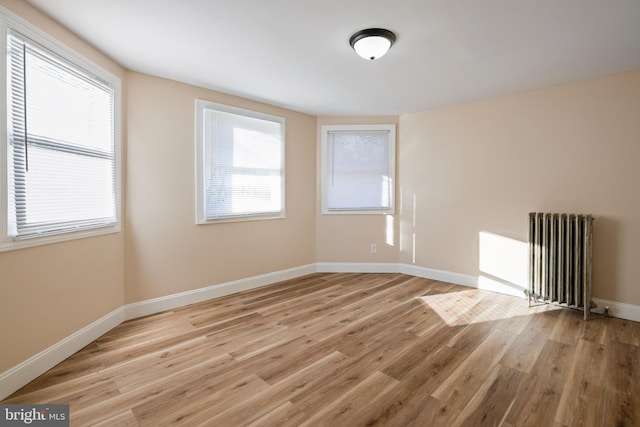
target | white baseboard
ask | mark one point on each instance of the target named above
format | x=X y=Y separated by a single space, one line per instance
x=440 y=275
x=356 y=267
x=486 y=283
x=479 y=282
x=618 y=309
x=412 y=270
x=157 y=305
x=20 y=375
x=30 y=369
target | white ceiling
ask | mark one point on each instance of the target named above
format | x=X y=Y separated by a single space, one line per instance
x=296 y=53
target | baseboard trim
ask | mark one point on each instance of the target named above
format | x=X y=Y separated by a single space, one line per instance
x=30 y=369
x=158 y=305
x=618 y=309
x=356 y=267
x=439 y=275
x=412 y=270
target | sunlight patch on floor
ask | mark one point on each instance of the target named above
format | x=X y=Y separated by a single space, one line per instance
x=475 y=306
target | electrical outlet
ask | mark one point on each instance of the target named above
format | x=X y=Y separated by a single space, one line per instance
x=373 y=248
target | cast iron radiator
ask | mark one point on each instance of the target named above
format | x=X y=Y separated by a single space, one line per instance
x=560 y=260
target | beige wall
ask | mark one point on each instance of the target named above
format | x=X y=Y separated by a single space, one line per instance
x=481 y=167
x=166 y=252
x=347 y=238
x=51 y=291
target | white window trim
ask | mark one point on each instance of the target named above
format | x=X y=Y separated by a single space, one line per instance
x=325 y=130
x=10 y=20
x=201 y=218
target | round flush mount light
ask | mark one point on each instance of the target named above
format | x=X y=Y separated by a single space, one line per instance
x=372 y=43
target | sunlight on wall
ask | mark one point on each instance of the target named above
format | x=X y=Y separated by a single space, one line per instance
x=503 y=263
x=406 y=229
x=413 y=249
x=390 y=236
x=400 y=221
x=413 y=244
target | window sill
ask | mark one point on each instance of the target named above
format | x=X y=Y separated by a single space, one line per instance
x=9 y=244
x=240 y=218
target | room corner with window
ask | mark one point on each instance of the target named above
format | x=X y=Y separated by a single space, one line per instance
x=420 y=270
x=239 y=164
x=61 y=147
x=358 y=169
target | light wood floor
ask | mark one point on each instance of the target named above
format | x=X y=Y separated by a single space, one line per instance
x=354 y=350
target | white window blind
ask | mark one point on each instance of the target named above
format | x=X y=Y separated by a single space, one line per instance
x=61 y=148
x=242 y=174
x=359 y=169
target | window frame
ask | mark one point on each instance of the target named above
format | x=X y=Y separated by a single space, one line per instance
x=8 y=20
x=325 y=130
x=201 y=218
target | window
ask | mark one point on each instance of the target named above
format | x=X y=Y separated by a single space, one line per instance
x=239 y=164
x=60 y=152
x=358 y=167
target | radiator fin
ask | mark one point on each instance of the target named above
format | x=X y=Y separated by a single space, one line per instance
x=560 y=259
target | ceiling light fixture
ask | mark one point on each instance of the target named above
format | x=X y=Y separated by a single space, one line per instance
x=372 y=43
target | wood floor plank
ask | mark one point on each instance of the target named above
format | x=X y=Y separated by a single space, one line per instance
x=341 y=410
x=350 y=373
x=354 y=349
x=567 y=320
x=525 y=350
x=159 y=364
x=423 y=348
x=348 y=295
x=538 y=396
x=77 y=393
x=272 y=358
x=596 y=330
x=337 y=380
x=362 y=335
x=489 y=404
x=198 y=408
x=428 y=322
x=585 y=386
x=253 y=346
x=623 y=380
x=123 y=419
x=404 y=404
x=414 y=287
x=173 y=395
x=293 y=362
x=285 y=415
x=625 y=331
x=262 y=403
x=470 y=336
x=458 y=389
x=160 y=391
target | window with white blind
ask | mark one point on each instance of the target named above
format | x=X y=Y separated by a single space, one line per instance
x=358 y=169
x=239 y=164
x=60 y=150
